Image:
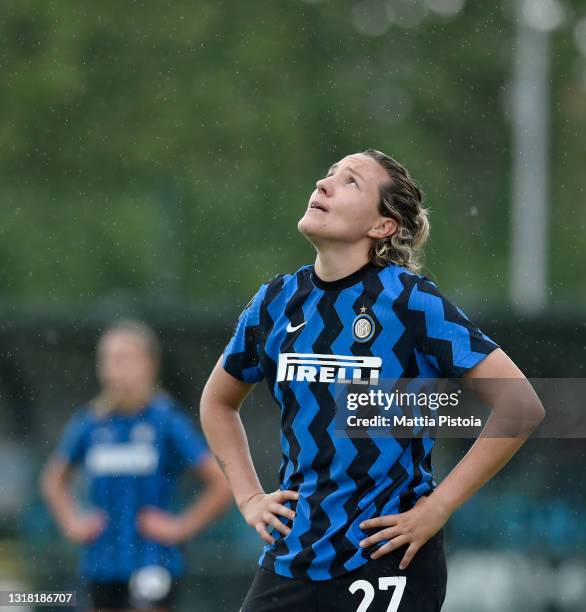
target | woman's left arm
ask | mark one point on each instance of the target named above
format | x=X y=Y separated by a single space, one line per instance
x=485 y=458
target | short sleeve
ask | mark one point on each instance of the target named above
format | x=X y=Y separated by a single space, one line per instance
x=74 y=442
x=189 y=446
x=241 y=355
x=446 y=337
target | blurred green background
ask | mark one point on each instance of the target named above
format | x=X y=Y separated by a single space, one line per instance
x=167 y=150
x=155 y=160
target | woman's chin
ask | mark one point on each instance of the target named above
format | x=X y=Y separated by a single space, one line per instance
x=308 y=227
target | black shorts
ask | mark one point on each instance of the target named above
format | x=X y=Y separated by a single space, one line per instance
x=419 y=588
x=115 y=595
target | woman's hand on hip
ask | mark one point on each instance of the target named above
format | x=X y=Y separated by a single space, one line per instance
x=163 y=527
x=412 y=528
x=264 y=509
x=85 y=528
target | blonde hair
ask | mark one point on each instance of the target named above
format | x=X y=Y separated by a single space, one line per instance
x=103 y=403
x=401 y=199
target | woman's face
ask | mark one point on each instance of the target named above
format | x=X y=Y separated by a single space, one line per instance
x=124 y=366
x=344 y=206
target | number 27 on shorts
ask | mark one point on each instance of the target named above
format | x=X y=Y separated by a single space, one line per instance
x=384 y=582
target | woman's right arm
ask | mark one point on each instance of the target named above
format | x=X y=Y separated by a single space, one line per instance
x=220 y=420
x=55 y=482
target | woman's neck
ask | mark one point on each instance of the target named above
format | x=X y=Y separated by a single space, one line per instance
x=129 y=403
x=332 y=265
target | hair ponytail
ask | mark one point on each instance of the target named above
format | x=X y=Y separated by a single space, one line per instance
x=402 y=200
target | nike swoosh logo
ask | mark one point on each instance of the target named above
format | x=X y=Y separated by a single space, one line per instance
x=290 y=328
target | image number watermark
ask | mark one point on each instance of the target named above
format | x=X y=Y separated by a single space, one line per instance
x=37 y=598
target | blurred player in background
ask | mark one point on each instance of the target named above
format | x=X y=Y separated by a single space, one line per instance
x=356 y=523
x=132 y=441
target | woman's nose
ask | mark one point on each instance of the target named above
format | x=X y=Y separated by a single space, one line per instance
x=323 y=186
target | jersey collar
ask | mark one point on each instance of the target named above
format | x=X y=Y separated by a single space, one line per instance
x=344 y=282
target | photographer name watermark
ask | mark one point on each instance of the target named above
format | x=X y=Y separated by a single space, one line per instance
x=462 y=408
x=432 y=401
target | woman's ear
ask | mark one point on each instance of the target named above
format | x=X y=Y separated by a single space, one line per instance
x=383 y=228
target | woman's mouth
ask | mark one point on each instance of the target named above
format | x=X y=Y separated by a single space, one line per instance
x=317 y=206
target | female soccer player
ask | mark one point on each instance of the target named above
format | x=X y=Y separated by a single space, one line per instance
x=132 y=441
x=356 y=524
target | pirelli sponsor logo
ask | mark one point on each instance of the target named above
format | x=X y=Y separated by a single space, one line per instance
x=311 y=367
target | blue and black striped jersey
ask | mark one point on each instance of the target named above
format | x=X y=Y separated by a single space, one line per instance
x=304 y=336
x=131 y=462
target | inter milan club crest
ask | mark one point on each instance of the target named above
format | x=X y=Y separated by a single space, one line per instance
x=363 y=326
